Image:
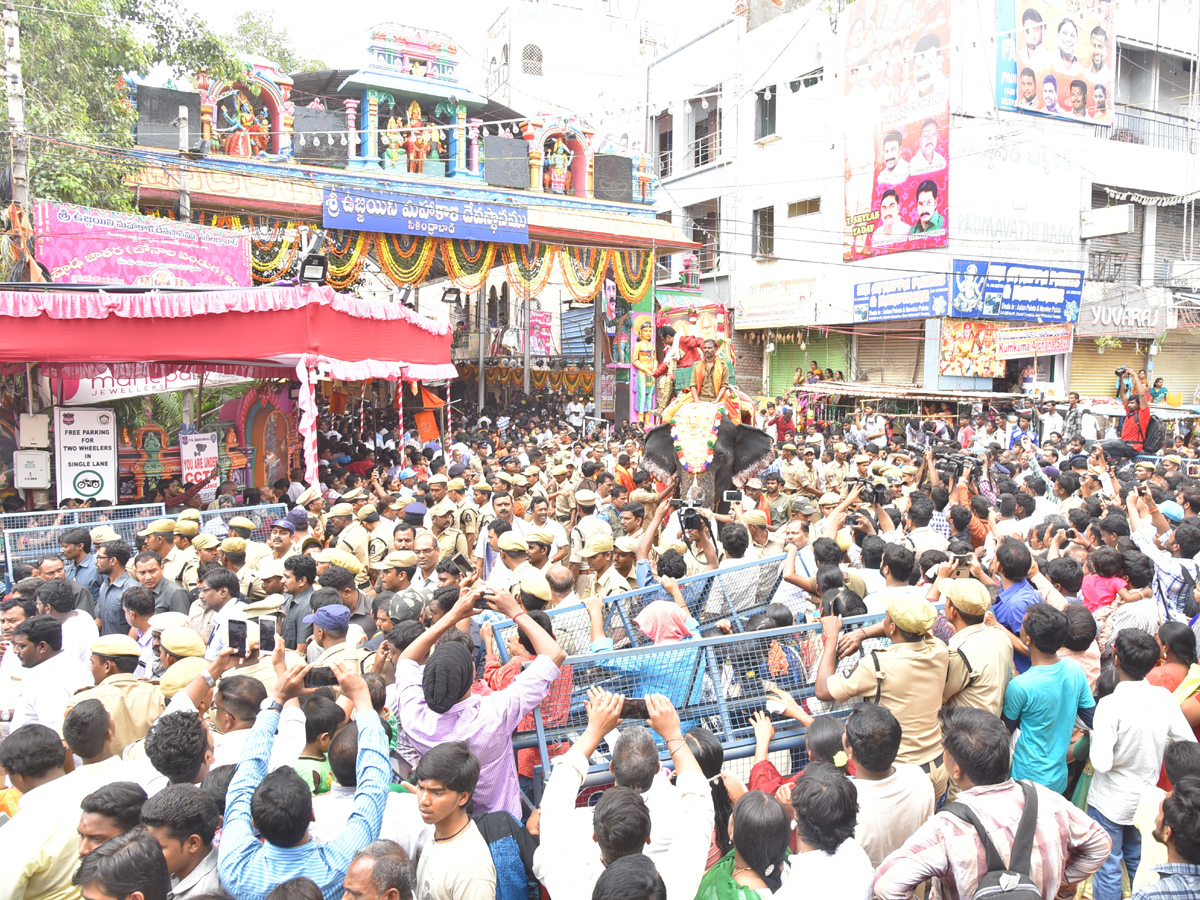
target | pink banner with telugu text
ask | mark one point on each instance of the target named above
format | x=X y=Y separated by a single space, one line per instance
x=80 y=245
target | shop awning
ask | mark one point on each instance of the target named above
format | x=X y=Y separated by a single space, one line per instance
x=868 y=391
x=588 y=226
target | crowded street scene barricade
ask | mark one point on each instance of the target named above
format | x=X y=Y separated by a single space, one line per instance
x=404 y=497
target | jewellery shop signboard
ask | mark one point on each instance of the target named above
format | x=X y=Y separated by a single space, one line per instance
x=394 y=213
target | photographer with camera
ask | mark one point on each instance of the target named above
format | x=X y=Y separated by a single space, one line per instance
x=1133 y=393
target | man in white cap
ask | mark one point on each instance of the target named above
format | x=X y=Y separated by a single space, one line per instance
x=160 y=537
x=351 y=536
x=981 y=657
x=606 y=580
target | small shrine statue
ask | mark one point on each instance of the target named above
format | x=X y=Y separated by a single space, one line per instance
x=238 y=124
x=645 y=363
x=393 y=143
x=557 y=179
x=416 y=144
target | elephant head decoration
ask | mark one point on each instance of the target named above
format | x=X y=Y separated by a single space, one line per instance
x=708 y=451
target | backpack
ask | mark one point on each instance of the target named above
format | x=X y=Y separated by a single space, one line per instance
x=1012 y=881
x=1154 y=436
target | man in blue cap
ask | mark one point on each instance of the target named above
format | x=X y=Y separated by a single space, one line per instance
x=279 y=541
x=408 y=478
x=414 y=514
x=329 y=625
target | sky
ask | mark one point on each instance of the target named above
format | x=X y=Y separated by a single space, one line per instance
x=341 y=40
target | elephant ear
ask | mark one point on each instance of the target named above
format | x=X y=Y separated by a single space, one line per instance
x=658 y=454
x=753 y=451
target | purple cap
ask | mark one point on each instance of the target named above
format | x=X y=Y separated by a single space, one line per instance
x=298 y=516
x=285 y=524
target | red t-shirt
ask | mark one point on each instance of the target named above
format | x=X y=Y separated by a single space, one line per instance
x=1134 y=430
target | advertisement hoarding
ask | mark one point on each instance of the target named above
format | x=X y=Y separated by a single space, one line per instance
x=1056 y=58
x=80 y=245
x=896 y=111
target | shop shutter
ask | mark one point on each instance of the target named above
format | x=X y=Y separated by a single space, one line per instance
x=829 y=353
x=1176 y=363
x=890 y=354
x=1092 y=373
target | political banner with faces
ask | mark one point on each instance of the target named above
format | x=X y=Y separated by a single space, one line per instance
x=897 y=118
x=1056 y=58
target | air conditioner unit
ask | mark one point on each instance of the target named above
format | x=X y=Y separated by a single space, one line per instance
x=1183 y=272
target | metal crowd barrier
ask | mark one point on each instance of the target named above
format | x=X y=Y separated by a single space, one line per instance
x=88 y=517
x=733 y=594
x=30 y=544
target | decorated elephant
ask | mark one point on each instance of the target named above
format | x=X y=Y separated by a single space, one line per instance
x=710 y=453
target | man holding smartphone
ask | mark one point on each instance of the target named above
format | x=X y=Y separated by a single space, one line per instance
x=1133 y=393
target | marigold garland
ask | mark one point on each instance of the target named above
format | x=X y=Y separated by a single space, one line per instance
x=405 y=265
x=347 y=265
x=468 y=262
x=583 y=270
x=539 y=378
x=529 y=268
x=634 y=272
x=712 y=444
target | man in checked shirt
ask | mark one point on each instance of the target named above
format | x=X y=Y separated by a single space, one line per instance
x=1068 y=846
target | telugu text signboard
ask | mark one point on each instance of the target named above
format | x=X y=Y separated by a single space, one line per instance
x=912 y=297
x=1016 y=291
x=85 y=453
x=1056 y=59
x=80 y=245
x=198 y=456
x=787 y=302
x=896 y=110
x=395 y=213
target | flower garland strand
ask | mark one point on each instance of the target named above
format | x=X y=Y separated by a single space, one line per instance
x=712 y=446
x=468 y=270
x=528 y=273
x=583 y=270
x=633 y=280
x=405 y=266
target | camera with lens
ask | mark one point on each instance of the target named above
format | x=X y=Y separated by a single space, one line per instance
x=1121 y=370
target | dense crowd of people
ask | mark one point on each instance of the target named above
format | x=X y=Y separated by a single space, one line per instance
x=330 y=711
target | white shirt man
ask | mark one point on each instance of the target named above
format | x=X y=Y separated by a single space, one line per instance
x=575 y=414
x=46 y=690
x=1051 y=422
x=78 y=632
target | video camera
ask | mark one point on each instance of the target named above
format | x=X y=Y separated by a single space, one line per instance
x=953 y=463
x=689 y=514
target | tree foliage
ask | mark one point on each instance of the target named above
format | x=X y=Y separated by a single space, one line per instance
x=255 y=33
x=75 y=54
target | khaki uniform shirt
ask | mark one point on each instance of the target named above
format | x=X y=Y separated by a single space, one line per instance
x=588 y=528
x=981 y=665
x=190 y=569
x=451 y=541
x=264 y=670
x=354 y=539
x=251 y=585
x=564 y=502
x=910 y=682
x=466 y=519
x=810 y=477
x=255 y=551
x=132 y=704
x=608 y=584
x=835 y=474
x=173 y=564
x=791 y=475
x=773 y=547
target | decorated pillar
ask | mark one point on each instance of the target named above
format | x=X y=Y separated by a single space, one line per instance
x=591 y=177
x=352 y=132
x=370 y=154
x=535 y=169
x=473 y=161
x=460 y=157
x=287 y=114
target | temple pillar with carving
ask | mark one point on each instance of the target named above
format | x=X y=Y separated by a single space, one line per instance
x=535 y=170
x=353 y=161
x=370 y=133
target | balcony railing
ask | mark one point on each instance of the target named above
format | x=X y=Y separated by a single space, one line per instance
x=1152 y=129
x=705 y=150
x=664 y=163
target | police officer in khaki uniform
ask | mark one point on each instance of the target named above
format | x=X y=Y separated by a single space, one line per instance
x=132 y=704
x=588 y=526
x=311 y=501
x=837 y=471
x=909 y=678
x=368 y=517
x=606 y=581
x=160 y=537
x=450 y=539
x=560 y=494
x=189 y=562
x=240 y=526
x=762 y=542
x=809 y=474
x=233 y=557
x=790 y=469
x=352 y=538
x=466 y=516
x=541 y=542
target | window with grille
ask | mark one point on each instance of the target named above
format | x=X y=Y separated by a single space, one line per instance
x=764 y=231
x=764 y=112
x=531 y=59
x=807 y=207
